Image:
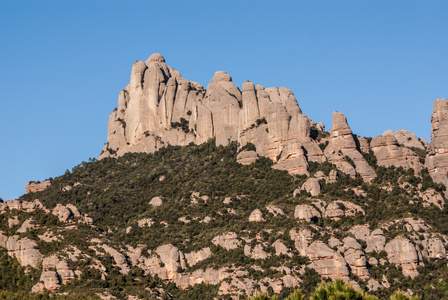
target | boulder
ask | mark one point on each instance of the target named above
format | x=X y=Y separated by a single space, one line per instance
x=357 y=262
x=28 y=224
x=376 y=241
x=306 y=212
x=326 y=262
x=373 y=285
x=74 y=210
x=172 y=259
x=145 y=222
x=50 y=280
x=62 y=212
x=156 y=201
x=301 y=240
x=333 y=211
x=312 y=186
x=119 y=258
x=256 y=216
x=24 y=250
x=281 y=249
x=401 y=251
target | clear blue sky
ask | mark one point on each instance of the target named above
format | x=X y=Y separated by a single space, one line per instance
x=62 y=64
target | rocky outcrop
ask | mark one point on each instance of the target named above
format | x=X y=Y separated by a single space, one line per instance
x=62 y=270
x=389 y=153
x=311 y=186
x=281 y=249
x=326 y=261
x=247 y=157
x=401 y=251
x=256 y=216
x=119 y=258
x=375 y=240
x=257 y=252
x=172 y=258
x=357 y=262
x=432 y=197
x=33 y=186
x=145 y=222
x=343 y=152
x=158 y=107
x=62 y=212
x=275 y=210
x=24 y=250
x=228 y=240
x=27 y=224
x=306 y=212
x=195 y=257
x=334 y=211
x=437 y=157
x=156 y=201
x=436 y=249
x=405 y=138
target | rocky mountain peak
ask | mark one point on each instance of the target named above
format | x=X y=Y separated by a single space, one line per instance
x=155 y=57
x=340 y=125
x=158 y=108
x=221 y=76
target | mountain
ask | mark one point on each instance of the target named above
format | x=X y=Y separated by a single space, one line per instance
x=221 y=193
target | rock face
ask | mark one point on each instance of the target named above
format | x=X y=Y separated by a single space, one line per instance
x=306 y=212
x=405 y=138
x=33 y=186
x=62 y=212
x=312 y=186
x=389 y=153
x=24 y=251
x=227 y=240
x=437 y=157
x=342 y=150
x=172 y=258
x=195 y=257
x=402 y=252
x=327 y=262
x=158 y=107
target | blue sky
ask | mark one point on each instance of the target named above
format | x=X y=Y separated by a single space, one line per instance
x=63 y=63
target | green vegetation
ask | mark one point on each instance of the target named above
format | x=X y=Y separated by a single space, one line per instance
x=337 y=290
x=183 y=124
x=116 y=193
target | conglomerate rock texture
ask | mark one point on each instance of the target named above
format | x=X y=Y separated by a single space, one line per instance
x=159 y=107
x=437 y=158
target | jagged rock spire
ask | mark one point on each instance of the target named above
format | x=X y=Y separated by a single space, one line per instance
x=437 y=157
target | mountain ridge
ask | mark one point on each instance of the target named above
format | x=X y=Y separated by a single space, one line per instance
x=222 y=193
x=159 y=107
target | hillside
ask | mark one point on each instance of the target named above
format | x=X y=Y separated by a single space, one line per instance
x=228 y=227
x=173 y=209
